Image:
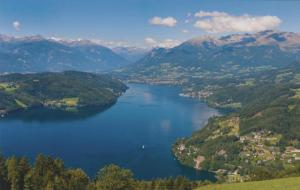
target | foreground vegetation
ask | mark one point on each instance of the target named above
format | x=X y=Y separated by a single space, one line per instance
x=50 y=174
x=68 y=91
x=292 y=183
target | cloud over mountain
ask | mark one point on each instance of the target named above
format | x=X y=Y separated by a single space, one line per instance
x=221 y=22
x=167 y=43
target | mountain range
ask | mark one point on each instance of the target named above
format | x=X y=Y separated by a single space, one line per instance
x=207 y=53
x=36 y=54
x=267 y=48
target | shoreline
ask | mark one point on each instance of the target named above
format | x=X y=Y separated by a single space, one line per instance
x=182 y=94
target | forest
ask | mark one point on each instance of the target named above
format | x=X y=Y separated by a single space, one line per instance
x=69 y=90
x=50 y=174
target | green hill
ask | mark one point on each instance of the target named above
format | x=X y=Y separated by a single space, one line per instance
x=260 y=139
x=66 y=91
x=276 y=184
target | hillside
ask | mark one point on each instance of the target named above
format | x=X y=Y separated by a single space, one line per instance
x=255 y=79
x=210 y=57
x=272 y=48
x=67 y=91
x=277 y=184
x=260 y=138
x=37 y=54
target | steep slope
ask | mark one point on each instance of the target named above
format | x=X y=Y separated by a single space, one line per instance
x=35 y=54
x=261 y=136
x=265 y=49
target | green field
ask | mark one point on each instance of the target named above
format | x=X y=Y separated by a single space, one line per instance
x=21 y=104
x=8 y=87
x=277 y=184
x=297 y=95
x=71 y=102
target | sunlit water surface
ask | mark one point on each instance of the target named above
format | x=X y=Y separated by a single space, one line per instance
x=137 y=133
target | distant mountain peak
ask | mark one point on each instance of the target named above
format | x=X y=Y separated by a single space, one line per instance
x=267 y=37
x=5 y=38
x=203 y=39
x=267 y=48
x=37 y=53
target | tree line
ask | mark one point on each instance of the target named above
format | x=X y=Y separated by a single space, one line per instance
x=50 y=174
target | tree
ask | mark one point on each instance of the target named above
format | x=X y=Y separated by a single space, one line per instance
x=170 y=183
x=261 y=173
x=12 y=173
x=23 y=169
x=181 y=183
x=39 y=172
x=3 y=175
x=77 y=179
x=28 y=184
x=113 y=177
x=48 y=174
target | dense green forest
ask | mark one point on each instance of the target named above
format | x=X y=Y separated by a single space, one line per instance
x=68 y=90
x=51 y=174
x=261 y=134
x=16 y=173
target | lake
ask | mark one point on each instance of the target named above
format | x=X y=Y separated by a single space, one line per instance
x=136 y=133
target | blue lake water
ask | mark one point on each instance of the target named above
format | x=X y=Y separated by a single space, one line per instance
x=149 y=116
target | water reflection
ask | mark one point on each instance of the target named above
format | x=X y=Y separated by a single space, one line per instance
x=46 y=115
x=153 y=116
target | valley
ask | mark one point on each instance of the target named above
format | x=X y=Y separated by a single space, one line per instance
x=253 y=136
x=258 y=138
x=149 y=95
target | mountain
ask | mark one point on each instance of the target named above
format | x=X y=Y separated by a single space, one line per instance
x=36 y=53
x=263 y=49
x=132 y=54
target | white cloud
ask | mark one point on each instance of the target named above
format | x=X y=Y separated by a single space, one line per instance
x=168 y=21
x=221 y=22
x=17 y=25
x=185 y=31
x=167 y=43
x=103 y=42
x=210 y=14
x=151 y=41
x=111 y=43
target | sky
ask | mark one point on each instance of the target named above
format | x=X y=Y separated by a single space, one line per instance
x=145 y=22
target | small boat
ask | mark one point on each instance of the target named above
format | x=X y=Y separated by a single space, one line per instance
x=143 y=147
